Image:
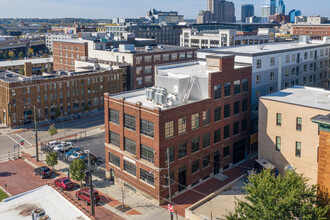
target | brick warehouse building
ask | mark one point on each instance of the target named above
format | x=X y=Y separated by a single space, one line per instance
x=319 y=30
x=54 y=93
x=199 y=110
x=65 y=52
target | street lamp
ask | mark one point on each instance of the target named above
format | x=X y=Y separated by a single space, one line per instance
x=168 y=177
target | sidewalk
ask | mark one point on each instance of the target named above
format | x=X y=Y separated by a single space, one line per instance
x=140 y=207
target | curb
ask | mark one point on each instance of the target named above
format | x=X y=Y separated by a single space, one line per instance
x=5 y=191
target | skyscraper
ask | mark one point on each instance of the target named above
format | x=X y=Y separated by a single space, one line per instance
x=265 y=11
x=280 y=6
x=293 y=13
x=247 y=11
x=220 y=10
x=272 y=7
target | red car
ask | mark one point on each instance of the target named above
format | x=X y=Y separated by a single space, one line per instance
x=64 y=183
x=84 y=194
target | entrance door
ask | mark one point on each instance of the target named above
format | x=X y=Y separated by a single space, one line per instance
x=239 y=151
x=182 y=178
x=216 y=162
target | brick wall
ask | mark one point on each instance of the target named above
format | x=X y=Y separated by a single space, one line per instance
x=323 y=177
x=313 y=30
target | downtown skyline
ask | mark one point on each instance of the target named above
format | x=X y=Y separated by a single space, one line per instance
x=108 y=9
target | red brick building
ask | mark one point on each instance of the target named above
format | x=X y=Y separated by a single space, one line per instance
x=199 y=110
x=320 y=30
x=65 y=52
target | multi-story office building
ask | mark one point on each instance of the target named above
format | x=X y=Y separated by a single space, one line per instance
x=316 y=27
x=218 y=11
x=37 y=65
x=272 y=7
x=167 y=34
x=279 y=18
x=163 y=17
x=288 y=137
x=280 y=7
x=65 y=52
x=265 y=11
x=293 y=14
x=281 y=65
x=199 y=111
x=225 y=38
x=51 y=37
x=54 y=94
x=247 y=11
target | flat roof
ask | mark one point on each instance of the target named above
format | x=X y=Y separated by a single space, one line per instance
x=76 y=41
x=303 y=96
x=264 y=49
x=45 y=197
x=21 y=62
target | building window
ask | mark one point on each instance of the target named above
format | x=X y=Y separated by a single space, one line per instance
x=227 y=89
x=257 y=94
x=206 y=161
x=195 y=166
x=194 y=144
x=182 y=125
x=244 y=105
x=226 y=111
x=195 y=121
x=171 y=155
x=169 y=129
x=206 y=140
x=258 y=63
x=271 y=75
x=237 y=86
x=236 y=108
x=114 y=139
x=278 y=119
x=146 y=177
x=287 y=58
x=206 y=117
x=114 y=160
x=226 y=132
x=278 y=143
x=147 y=128
x=114 y=116
x=272 y=61
x=299 y=124
x=217 y=114
x=244 y=125
x=236 y=128
x=182 y=150
x=130 y=168
x=258 y=79
x=226 y=152
x=147 y=153
x=217 y=136
x=217 y=92
x=129 y=146
x=245 y=85
x=298 y=149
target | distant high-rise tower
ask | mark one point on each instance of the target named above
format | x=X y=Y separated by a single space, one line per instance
x=272 y=7
x=247 y=11
x=220 y=10
x=265 y=11
x=293 y=13
x=280 y=6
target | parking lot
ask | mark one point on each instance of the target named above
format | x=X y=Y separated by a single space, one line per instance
x=93 y=143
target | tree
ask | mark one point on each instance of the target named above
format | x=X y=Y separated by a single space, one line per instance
x=11 y=54
x=5 y=55
x=286 y=196
x=52 y=130
x=57 y=112
x=51 y=159
x=77 y=169
x=21 y=54
x=21 y=70
x=30 y=52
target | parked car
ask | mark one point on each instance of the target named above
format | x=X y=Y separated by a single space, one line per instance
x=77 y=155
x=85 y=195
x=52 y=144
x=57 y=144
x=63 y=147
x=72 y=151
x=43 y=172
x=64 y=183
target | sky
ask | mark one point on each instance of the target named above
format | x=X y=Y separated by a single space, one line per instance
x=108 y=9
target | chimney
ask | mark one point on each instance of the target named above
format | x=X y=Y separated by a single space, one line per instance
x=27 y=69
x=220 y=62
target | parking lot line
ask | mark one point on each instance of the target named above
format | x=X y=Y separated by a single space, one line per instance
x=24 y=139
x=13 y=139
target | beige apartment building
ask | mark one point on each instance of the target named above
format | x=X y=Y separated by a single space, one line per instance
x=287 y=136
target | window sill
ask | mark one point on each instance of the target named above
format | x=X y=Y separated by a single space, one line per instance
x=195 y=172
x=129 y=174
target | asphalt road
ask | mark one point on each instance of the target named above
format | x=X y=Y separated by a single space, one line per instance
x=78 y=126
x=93 y=143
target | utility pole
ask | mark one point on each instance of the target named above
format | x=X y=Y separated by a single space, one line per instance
x=36 y=130
x=169 y=180
x=91 y=184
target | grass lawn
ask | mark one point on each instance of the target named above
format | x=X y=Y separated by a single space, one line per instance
x=3 y=195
